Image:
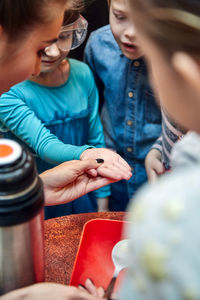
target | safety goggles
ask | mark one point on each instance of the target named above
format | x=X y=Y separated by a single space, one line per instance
x=72 y=36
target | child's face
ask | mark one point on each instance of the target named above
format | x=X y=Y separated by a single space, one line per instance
x=123 y=29
x=52 y=58
x=54 y=55
x=71 y=36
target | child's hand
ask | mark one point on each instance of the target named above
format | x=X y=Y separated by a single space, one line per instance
x=93 y=290
x=102 y=204
x=114 y=166
x=153 y=165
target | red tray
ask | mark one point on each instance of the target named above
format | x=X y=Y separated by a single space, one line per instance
x=93 y=258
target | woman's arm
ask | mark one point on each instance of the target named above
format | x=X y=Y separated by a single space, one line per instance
x=23 y=122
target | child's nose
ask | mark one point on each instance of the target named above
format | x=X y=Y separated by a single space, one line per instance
x=130 y=32
x=52 y=50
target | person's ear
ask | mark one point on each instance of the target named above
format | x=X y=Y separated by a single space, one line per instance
x=187 y=67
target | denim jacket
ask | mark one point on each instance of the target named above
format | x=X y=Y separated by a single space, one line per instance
x=130 y=115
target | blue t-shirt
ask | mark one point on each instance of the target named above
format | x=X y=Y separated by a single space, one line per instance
x=130 y=115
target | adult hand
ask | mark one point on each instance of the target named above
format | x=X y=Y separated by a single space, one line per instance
x=114 y=165
x=153 y=165
x=49 y=291
x=70 y=180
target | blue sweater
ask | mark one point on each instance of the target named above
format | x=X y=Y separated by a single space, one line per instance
x=57 y=123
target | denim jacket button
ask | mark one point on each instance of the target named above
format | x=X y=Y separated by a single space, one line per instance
x=129 y=123
x=129 y=149
x=136 y=63
x=130 y=94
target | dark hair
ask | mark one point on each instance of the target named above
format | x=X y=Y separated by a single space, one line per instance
x=72 y=14
x=172 y=24
x=17 y=16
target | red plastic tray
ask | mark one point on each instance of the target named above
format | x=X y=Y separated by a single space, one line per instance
x=93 y=258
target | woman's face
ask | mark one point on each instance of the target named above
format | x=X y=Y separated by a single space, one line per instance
x=175 y=94
x=22 y=59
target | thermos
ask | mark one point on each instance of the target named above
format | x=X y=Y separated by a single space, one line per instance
x=21 y=218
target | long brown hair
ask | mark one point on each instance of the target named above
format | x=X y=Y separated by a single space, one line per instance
x=172 y=24
x=72 y=13
x=17 y=16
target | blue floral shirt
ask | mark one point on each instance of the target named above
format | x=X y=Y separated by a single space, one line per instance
x=130 y=115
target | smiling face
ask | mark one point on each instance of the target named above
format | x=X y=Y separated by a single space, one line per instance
x=20 y=60
x=54 y=55
x=123 y=29
x=72 y=35
x=52 y=58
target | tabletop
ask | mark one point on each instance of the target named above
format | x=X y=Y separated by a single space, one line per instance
x=61 y=237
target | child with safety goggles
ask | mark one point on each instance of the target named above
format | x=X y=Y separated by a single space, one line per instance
x=56 y=113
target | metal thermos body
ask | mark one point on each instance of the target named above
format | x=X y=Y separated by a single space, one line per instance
x=21 y=219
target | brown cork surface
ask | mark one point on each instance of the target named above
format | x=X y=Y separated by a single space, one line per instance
x=62 y=236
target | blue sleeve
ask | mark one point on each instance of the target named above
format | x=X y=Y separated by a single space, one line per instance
x=96 y=136
x=22 y=121
x=90 y=59
x=88 y=55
